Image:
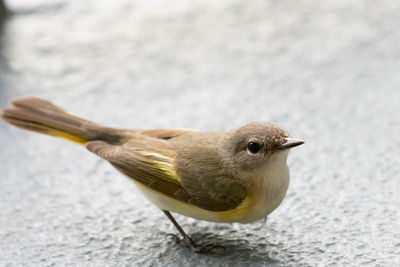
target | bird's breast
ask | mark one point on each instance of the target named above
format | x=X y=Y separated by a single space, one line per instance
x=268 y=196
x=267 y=192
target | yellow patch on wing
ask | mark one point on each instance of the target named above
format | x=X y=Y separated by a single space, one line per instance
x=164 y=164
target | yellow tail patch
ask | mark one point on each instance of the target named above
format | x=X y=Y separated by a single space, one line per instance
x=67 y=136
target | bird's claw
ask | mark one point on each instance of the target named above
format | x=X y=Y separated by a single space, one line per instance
x=202 y=249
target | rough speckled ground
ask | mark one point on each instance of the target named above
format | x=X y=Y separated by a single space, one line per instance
x=326 y=70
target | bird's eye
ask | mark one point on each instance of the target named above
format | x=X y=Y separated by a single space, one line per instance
x=253 y=147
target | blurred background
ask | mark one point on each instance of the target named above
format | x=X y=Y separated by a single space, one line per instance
x=328 y=71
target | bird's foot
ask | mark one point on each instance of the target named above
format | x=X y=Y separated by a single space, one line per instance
x=188 y=242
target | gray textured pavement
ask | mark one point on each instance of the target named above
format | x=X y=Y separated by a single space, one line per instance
x=328 y=71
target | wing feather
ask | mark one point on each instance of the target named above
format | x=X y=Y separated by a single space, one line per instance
x=194 y=177
x=135 y=160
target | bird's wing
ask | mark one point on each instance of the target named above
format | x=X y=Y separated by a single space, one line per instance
x=150 y=161
x=208 y=184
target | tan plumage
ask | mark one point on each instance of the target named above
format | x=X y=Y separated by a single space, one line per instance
x=214 y=176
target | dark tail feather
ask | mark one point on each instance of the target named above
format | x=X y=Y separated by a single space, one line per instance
x=41 y=116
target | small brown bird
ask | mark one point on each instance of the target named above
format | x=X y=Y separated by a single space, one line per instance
x=239 y=175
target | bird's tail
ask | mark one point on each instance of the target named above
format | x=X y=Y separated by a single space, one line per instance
x=41 y=116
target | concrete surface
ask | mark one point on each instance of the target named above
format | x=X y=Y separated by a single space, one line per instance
x=326 y=70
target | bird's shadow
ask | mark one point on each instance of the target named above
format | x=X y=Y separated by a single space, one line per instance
x=230 y=249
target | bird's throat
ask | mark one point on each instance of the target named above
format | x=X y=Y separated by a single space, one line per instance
x=269 y=188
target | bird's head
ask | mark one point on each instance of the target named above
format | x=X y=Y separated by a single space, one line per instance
x=256 y=147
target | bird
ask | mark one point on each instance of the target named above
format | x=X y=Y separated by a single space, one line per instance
x=239 y=175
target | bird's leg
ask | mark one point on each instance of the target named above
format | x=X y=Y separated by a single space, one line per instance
x=189 y=242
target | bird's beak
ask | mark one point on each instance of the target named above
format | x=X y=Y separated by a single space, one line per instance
x=290 y=142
